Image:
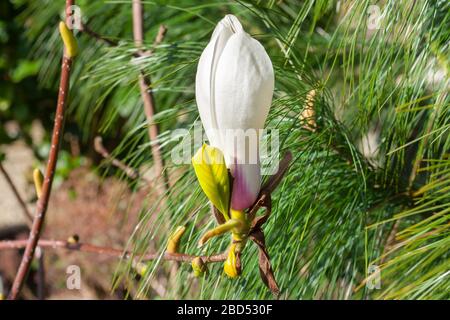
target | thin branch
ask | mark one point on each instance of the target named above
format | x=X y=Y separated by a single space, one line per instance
x=43 y=200
x=19 y=199
x=140 y=54
x=98 y=146
x=85 y=28
x=112 y=252
x=29 y=217
x=146 y=91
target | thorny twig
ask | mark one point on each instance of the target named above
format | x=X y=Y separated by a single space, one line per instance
x=42 y=203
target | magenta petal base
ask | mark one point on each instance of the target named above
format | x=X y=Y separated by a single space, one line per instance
x=246 y=185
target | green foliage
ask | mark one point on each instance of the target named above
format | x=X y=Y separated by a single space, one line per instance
x=17 y=75
x=376 y=166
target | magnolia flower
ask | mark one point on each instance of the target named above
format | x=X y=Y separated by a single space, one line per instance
x=234 y=88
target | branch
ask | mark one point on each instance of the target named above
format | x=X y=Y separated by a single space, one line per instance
x=85 y=28
x=98 y=146
x=88 y=31
x=16 y=194
x=42 y=203
x=112 y=252
x=29 y=217
x=146 y=91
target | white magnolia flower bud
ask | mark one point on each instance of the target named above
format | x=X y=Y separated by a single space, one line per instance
x=234 y=89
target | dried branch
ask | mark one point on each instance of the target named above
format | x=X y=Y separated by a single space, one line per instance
x=98 y=146
x=19 y=199
x=42 y=203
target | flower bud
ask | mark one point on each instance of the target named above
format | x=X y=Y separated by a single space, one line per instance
x=233 y=89
x=199 y=267
x=38 y=179
x=174 y=239
x=70 y=43
x=230 y=266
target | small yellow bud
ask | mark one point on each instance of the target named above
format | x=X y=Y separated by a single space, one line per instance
x=230 y=266
x=141 y=268
x=174 y=239
x=198 y=266
x=73 y=239
x=69 y=40
x=38 y=178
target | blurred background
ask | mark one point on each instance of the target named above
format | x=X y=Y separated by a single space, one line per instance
x=368 y=189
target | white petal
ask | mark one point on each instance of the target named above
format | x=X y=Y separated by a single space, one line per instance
x=244 y=89
x=244 y=84
x=229 y=22
x=243 y=93
x=204 y=82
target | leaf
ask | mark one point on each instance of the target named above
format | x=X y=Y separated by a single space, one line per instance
x=212 y=174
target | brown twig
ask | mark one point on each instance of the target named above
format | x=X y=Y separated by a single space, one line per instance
x=19 y=199
x=116 y=253
x=85 y=28
x=146 y=91
x=98 y=146
x=42 y=203
x=144 y=81
x=141 y=53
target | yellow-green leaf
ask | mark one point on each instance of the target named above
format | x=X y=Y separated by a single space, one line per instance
x=212 y=174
